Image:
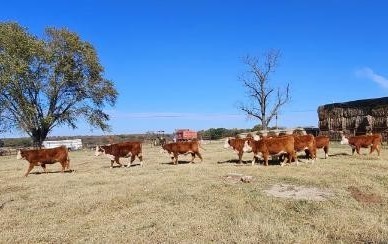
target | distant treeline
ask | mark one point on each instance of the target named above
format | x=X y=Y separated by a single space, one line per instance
x=91 y=141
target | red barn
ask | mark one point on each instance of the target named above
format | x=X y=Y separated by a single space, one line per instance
x=185 y=135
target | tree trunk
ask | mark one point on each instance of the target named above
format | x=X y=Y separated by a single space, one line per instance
x=38 y=136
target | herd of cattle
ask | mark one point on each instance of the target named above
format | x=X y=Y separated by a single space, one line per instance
x=277 y=147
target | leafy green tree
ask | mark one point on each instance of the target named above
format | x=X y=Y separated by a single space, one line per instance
x=50 y=82
x=264 y=101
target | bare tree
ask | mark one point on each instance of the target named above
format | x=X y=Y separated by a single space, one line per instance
x=264 y=101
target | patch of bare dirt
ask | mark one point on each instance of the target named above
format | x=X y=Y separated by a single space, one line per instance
x=299 y=192
x=236 y=178
x=363 y=197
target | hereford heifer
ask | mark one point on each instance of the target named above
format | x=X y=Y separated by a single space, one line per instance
x=365 y=141
x=42 y=157
x=176 y=148
x=271 y=146
x=116 y=151
x=305 y=143
x=323 y=142
x=237 y=144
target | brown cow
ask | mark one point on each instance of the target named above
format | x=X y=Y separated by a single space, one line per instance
x=323 y=142
x=42 y=157
x=365 y=141
x=186 y=147
x=121 y=150
x=305 y=143
x=271 y=146
x=237 y=144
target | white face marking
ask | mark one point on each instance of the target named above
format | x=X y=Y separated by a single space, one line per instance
x=19 y=155
x=246 y=147
x=344 y=140
x=226 y=144
x=256 y=137
x=97 y=153
x=163 y=151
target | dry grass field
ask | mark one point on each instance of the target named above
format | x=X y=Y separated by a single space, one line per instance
x=343 y=199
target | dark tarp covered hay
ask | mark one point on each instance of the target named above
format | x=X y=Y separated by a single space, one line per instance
x=355 y=117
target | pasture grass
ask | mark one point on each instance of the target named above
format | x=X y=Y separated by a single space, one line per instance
x=195 y=203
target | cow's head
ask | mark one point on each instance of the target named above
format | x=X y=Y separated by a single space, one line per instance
x=21 y=154
x=247 y=146
x=164 y=149
x=227 y=143
x=256 y=137
x=99 y=150
x=344 y=139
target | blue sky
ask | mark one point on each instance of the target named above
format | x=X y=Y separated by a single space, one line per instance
x=176 y=63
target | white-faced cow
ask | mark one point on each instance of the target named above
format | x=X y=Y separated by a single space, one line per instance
x=116 y=151
x=176 y=148
x=270 y=147
x=41 y=157
x=363 y=141
x=237 y=145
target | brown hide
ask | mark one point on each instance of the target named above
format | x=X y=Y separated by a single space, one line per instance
x=323 y=142
x=176 y=148
x=305 y=143
x=272 y=146
x=116 y=151
x=357 y=142
x=42 y=157
x=237 y=144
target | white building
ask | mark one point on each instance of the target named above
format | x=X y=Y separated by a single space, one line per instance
x=74 y=144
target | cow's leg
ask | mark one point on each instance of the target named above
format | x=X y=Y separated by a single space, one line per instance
x=176 y=158
x=68 y=163
x=192 y=157
x=240 y=154
x=132 y=159
x=199 y=156
x=30 y=167
x=373 y=148
x=44 y=168
x=353 y=149
x=358 y=150
x=253 y=160
x=141 y=159
x=63 y=164
x=265 y=160
x=326 y=150
x=111 y=163
x=117 y=159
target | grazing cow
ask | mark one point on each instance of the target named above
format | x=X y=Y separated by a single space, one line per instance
x=305 y=143
x=42 y=157
x=237 y=144
x=323 y=142
x=121 y=150
x=186 y=147
x=271 y=146
x=365 y=141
